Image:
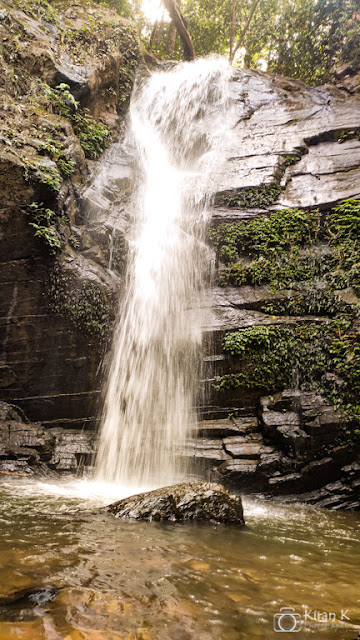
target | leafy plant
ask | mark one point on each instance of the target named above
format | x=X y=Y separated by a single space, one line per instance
x=48 y=236
x=292 y=247
x=250 y=197
x=276 y=357
x=66 y=166
x=348 y=135
x=290 y=160
x=43 y=220
x=93 y=136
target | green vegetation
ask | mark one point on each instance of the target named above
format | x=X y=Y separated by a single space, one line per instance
x=324 y=356
x=42 y=220
x=250 y=197
x=316 y=257
x=291 y=248
x=127 y=8
x=93 y=136
x=312 y=300
x=85 y=304
x=66 y=166
x=290 y=160
x=304 y=39
x=272 y=246
x=349 y=135
x=35 y=124
x=99 y=37
x=44 y=173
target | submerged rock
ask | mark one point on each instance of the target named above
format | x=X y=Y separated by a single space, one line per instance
x=184 y=501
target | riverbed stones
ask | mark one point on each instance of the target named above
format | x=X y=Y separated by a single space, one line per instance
x=204 y=501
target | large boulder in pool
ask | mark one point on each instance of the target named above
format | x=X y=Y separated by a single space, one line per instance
x=184 y=501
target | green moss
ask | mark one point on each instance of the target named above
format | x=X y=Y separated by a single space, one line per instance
x=292 y=247
x=84 y=304
x=119 y=255
x=250 y=197
x=349 y=135
x=93 y=136
x=276 y=357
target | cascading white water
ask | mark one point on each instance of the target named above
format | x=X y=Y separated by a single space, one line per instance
x=177 y=122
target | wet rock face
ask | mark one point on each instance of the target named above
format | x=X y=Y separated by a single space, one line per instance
x=292 y=147
x=57 y=302
x=288 y=133
x=31 y=449
x=291 y=447
x=180 y=502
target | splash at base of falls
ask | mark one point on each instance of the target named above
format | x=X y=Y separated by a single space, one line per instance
x=177 y=125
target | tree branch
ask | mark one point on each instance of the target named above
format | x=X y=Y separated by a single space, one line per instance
x=240 y=41
x=181 y=26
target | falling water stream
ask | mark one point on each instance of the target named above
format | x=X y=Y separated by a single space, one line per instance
x=177 y=123
x=123 y=580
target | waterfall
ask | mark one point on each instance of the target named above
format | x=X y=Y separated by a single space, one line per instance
x=177 y=125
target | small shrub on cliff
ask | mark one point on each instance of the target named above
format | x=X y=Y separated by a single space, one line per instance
x=42 y=221
x=44 y=173
x=48 y=236
x=93 y=136
x=54 y=149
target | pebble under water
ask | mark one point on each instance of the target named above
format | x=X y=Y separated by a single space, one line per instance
x=70 y=572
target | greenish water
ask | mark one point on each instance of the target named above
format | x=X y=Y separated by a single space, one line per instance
x=151 y=581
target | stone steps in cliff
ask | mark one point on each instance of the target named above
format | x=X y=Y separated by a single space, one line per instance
x=222 y=428
x=218 y=441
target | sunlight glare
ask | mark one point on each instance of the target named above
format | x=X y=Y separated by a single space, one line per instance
x=154 y=10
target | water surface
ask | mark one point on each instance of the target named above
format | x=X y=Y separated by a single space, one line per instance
x=152 y=581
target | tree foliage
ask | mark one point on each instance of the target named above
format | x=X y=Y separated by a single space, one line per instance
x=304 y=39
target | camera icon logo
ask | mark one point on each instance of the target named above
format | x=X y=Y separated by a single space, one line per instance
x=287 y=620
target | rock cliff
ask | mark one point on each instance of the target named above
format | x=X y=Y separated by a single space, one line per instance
x=282 y=362
x=66 y=74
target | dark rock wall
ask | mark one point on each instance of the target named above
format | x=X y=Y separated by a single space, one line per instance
x=66 y=76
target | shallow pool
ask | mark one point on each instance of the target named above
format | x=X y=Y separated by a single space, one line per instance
x=152 y=581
